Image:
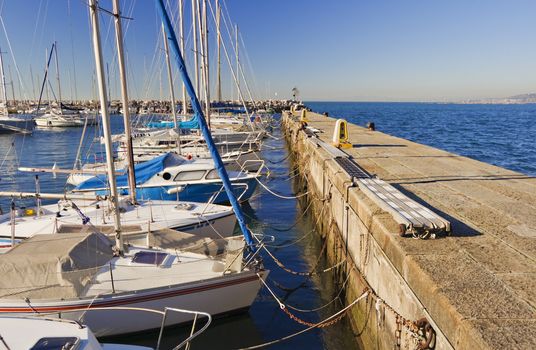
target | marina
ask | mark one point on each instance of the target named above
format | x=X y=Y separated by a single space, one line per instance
x=151 y=198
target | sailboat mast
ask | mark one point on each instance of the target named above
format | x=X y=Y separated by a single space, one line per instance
x=181 y=26
x=124 y=100
x=196 y=54
x=57 y=71
x=196 y=106
x=97 y=50
x=205 y=62
x=170 y=78
x=218 y=81
x=4 y=90
x=237 y=61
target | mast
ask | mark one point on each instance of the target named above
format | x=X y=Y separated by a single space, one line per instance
x=57 y=71
x=124 y=100
x=181 y=26
x=237 y=61
x=170 y=78
x=218 y=81
x=205 y=62
x=46 y=75
x=12 y=85
x=196 y=106
x=4 y=90
x=106 y=123
x=196 y=54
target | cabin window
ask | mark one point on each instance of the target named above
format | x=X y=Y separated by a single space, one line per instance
x=213 y=174
x=152 y=258
x=189 y=175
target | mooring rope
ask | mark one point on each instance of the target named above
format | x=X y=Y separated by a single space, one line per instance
x=279 y=160
x=343 y=286
x=322 y=324
x=280 y=195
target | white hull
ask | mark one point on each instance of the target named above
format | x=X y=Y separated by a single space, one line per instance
x=195 y=218
x=65 y=121
x=215 y=296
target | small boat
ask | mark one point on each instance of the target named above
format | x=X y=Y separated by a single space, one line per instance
x=47 y=333
x=63 y=119
x=8 y=122
x=171 y=177
x=52 y=333
x=69 y=275
x=67 y=216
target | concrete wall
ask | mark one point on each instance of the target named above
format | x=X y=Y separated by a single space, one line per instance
x=360 y=233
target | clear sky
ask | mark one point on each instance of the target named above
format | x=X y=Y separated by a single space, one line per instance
x=390 y=50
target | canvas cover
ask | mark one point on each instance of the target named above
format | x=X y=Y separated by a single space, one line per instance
x=189 y=124
x=53 y=266
x=144 y=171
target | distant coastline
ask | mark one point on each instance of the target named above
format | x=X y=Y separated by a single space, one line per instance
x=512 y=100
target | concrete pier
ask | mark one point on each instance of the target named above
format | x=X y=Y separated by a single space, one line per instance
x=475 y=286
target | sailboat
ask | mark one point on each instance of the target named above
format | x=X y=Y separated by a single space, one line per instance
x=10 y=123
x=70 y=274
x=61 y=115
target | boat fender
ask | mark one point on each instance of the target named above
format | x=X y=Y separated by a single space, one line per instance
x=340 y=134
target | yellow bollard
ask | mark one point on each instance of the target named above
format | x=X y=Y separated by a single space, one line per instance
x=340 y=134
x=303 y=117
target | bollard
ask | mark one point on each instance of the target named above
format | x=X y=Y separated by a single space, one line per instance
x=303 y=117
x=326 y=114
x=340 y=134
x=371 y=126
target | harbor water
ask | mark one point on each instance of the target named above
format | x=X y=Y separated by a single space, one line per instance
x=295 y=244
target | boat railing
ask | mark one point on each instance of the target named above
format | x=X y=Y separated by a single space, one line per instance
x=165 y=315
x=215 y=195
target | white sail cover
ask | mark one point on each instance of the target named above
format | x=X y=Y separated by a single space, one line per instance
x=53 y=266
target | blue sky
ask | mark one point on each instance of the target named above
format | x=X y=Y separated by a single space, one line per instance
x=411 y=50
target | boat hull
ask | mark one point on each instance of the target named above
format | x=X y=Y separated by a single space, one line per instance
x=216 y=296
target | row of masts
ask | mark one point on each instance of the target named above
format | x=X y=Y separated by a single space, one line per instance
x=202 y=21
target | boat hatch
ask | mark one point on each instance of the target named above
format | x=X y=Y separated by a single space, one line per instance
x=50 y=343
x=184 y=206
x=150 y=258
x=189 y=175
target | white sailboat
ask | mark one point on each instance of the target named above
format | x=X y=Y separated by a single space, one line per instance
x=68 y=275
x=10 y=123
x=62 y=116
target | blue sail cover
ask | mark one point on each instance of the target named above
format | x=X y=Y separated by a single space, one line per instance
x=189 y=124
x=144 y=171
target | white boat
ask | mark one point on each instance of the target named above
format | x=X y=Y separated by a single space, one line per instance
x=8 y=122
x=52 y=333
x=67 y=216
x=171 y=177
x=67 y=275
x=63 y=119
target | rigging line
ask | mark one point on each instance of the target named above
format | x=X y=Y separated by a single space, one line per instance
x=280 y=195
x=313 y=326
x=248 y=61
x=19 y=76
x=233 y=73
x=330 y=302
x=298 y=273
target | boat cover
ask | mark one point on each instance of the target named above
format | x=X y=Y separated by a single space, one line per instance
x=53 y=266
x=189 y=124
x=144 y=171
